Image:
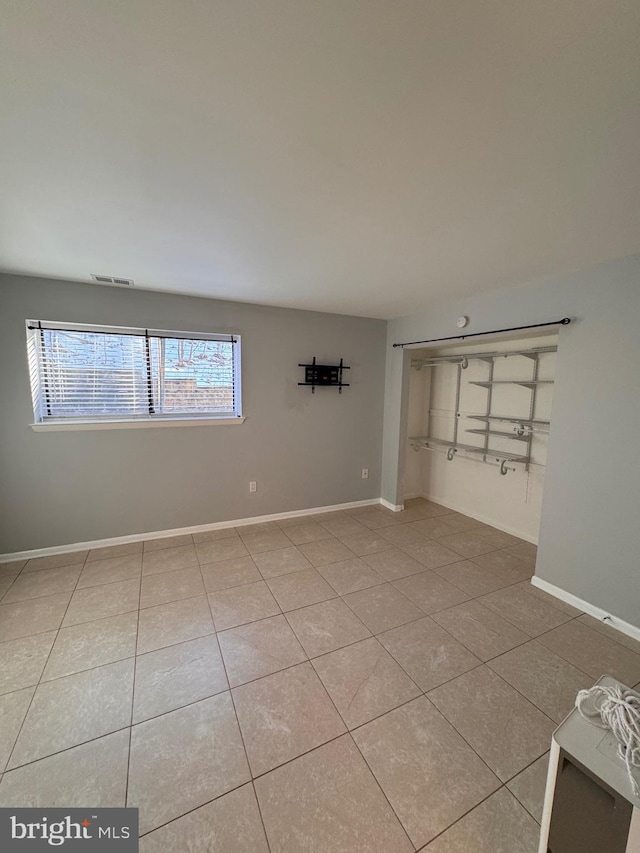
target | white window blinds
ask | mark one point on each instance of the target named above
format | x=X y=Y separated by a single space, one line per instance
x=102 y=373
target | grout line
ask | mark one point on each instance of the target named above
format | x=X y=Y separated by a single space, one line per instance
x=55 y=640
x=235 y=712
x=133 y=694
x=382 y=791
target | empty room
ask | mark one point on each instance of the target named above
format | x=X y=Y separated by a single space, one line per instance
x=319 y=468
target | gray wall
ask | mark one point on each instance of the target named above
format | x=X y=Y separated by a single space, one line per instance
x=304 y=450
x=590 y=530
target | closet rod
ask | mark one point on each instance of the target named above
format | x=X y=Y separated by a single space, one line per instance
x=564 y=322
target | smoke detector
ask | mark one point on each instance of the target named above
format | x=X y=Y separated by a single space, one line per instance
x=112 y=279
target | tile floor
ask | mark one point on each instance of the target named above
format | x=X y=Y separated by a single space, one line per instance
x=352 y=681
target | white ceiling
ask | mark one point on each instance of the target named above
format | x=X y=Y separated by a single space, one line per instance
x=356 y=156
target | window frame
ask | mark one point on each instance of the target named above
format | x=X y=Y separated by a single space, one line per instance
x=42 y=422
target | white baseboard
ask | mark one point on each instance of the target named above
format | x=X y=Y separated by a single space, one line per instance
x=177 y=531
x=479 y=517
x=392 y=507
x=597 y=612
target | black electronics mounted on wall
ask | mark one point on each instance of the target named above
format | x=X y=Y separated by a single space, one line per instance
x=321 y=375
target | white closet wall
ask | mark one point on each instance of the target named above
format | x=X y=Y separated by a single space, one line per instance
x=511 y=502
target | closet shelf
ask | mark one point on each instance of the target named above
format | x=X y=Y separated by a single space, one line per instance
x=500 y=433
x=510 y=420
x=528 y=383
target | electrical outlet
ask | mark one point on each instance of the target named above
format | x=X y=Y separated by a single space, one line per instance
x=253 y=486
x=365 y=473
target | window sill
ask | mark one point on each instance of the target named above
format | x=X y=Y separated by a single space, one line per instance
x=63 y=426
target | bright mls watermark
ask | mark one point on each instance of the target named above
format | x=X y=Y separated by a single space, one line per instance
x=103 y=830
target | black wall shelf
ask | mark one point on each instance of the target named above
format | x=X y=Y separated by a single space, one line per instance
x=324 y=375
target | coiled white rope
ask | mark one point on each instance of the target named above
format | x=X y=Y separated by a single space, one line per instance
x=618 y=710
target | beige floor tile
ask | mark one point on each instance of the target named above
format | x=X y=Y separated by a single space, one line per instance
x=470 y=577
x=183 y=759
x=75 y=709
x=98 y=602
x=379 y=519
x=411 y=514
x=169 y=559
x=499 y=825
x=173 y=623
x=350 y=575
x=12 y=568
x=418 y=512
x=179 y=675
x=220 y=550
x=529 y=786
x=428 y=653
x=467 y=544
x=229 y=573
x=124 y=550
x=171 y=586
x=299 y=589
x=309 y=532
x=606 y=630
x=402 y=534
x=525 y=611
x=281 y=561
x=364 y=681
x=46 y=582
x=431 y=554
x=259 y=648
x=13 y=709
x=323 y=627
x=592 y=652
x=230 y=824
x=550 y=599
x=343 y=525
x=430 y=592
x=326 y=551
x=496 y=538
x=544 y=678
x=504 y=565
x=382 y=607
x=6 y=582
x=22 y=660
x=367 y=542
x=500 y=724
x=481 y=630
x=36 y=616
x=111 y=570
x=429 y=774
x=526 y=552
x=270 y=540
x=283 y=715
x=327 y=801
x=213 y=535
x=92 y=774
x=56 y=561
x=167 y=542
x=393 y=564
x=433 y=528
x=92 y=644
x=461 y=523
x=242 y=604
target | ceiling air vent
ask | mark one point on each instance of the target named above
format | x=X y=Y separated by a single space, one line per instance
x=110 y=279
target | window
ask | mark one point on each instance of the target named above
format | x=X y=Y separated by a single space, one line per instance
x=107 y=374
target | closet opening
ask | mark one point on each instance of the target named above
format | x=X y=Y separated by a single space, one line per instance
x=478 y=423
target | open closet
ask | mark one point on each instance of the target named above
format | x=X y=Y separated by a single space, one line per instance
x=479 y=417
